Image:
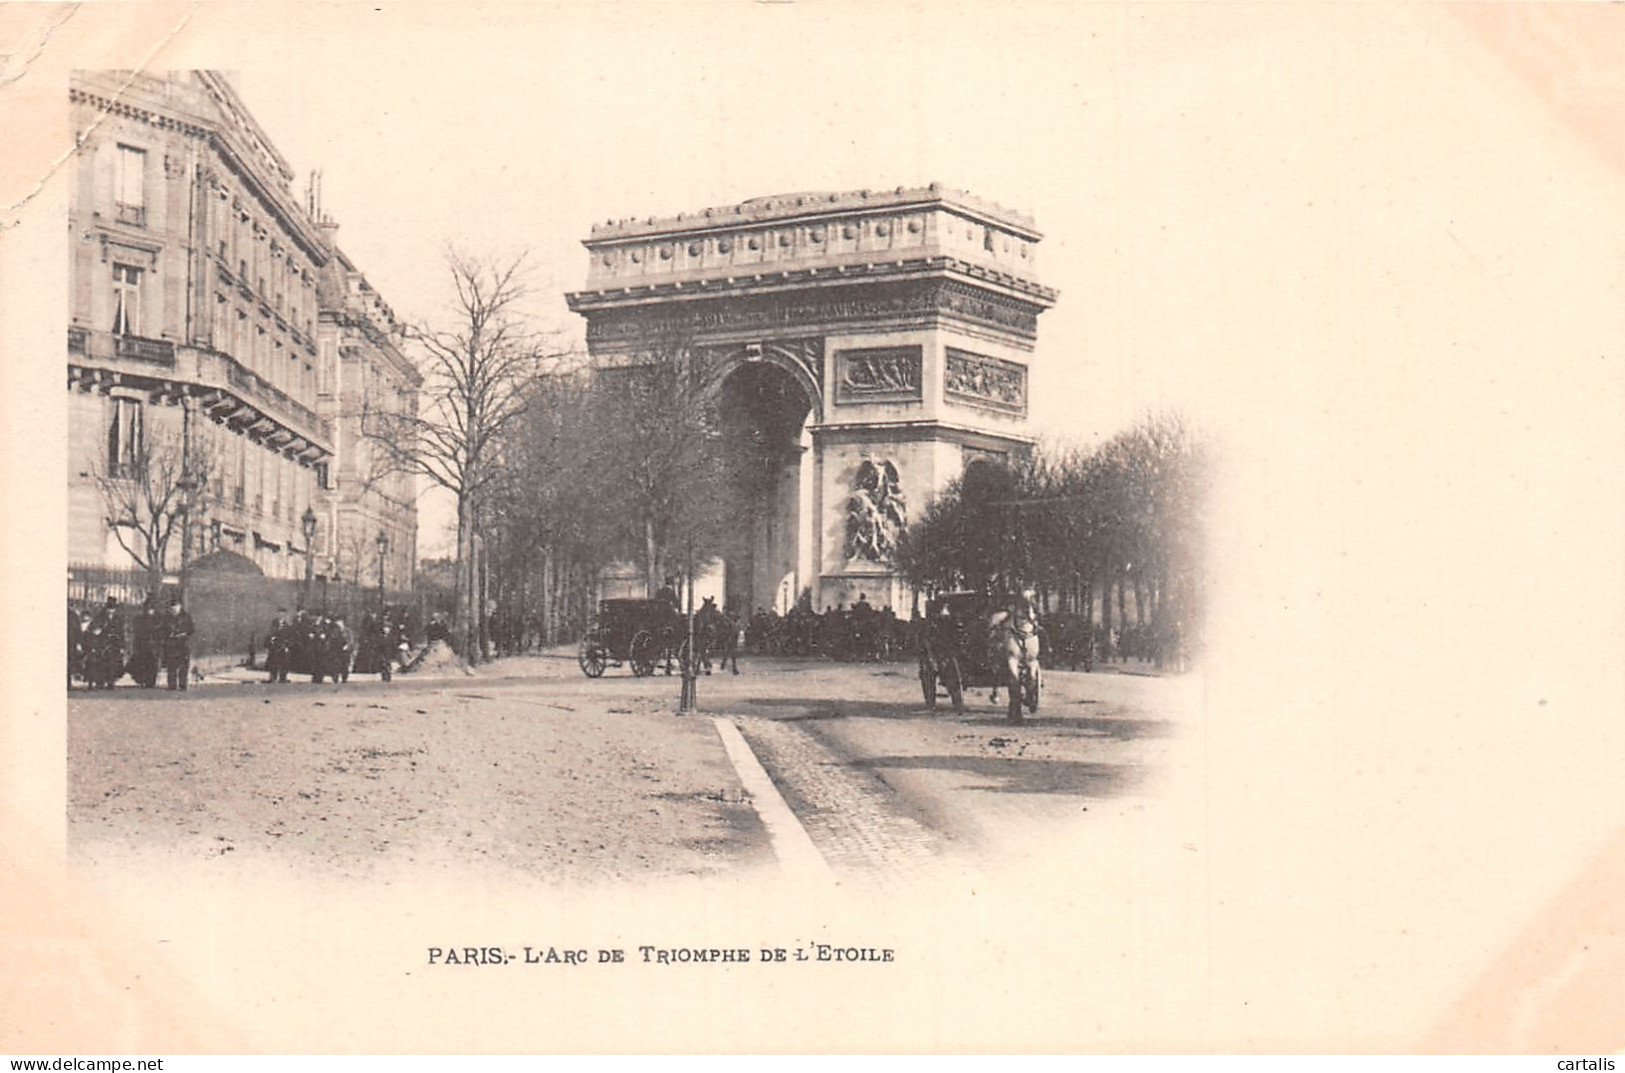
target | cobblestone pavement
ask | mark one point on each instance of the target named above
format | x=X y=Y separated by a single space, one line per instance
x=862 y=828
x=894 y=793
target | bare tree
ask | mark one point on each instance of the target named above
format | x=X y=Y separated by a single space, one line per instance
x=549 y=512
x=156 y=481
x=476 y=374
x=662 y=454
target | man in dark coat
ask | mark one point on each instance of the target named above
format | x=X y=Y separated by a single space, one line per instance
x=144 y=652
x=278 y=649
x=76 y=645
x=340 y=649
x=177 y=631
x=104 y=655
x=313 y=641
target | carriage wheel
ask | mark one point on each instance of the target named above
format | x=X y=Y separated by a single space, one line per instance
x=643 y=653
x=928 y=684
x=954 y=682
x=592 y=658
x=1031 y=684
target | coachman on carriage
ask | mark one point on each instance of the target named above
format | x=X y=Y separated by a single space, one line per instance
x=972 y=640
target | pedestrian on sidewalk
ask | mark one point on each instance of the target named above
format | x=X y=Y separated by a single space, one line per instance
x=178 y=630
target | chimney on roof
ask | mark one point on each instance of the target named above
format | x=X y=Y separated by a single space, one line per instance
x=313 y=203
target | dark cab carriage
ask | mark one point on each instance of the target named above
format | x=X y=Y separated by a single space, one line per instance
x=956 y=652
x=642 y=633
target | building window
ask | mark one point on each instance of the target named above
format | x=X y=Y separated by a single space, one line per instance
x=131 y=195
x=124 y=438
x=221 y=322
x=126 y=300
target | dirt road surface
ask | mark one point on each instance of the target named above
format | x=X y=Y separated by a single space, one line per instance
x=542 y=776
x=531 y=768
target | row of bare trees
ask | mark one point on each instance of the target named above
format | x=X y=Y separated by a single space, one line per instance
x=558 y=468
x=1112 y=534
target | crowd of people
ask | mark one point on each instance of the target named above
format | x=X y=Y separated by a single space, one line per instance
x=865 y=633
x=105 y=645
x=861 y=632
x=324 y=646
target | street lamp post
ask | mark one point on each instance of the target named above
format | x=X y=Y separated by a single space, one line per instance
x=688 y=697
x=307 y=525
x=187 y=488
x=383 y=547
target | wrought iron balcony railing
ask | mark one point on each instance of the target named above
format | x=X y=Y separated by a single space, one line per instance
x=152 y=351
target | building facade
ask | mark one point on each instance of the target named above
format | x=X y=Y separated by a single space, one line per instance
x=365 y=379
x=196 y=326
x=879 y=341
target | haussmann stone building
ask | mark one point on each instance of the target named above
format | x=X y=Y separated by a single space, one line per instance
x=209 y=304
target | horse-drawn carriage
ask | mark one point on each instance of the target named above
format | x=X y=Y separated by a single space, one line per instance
x=642 y=633
x=963 y=644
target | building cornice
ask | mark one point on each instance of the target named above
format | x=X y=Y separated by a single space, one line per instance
x=746 y=284
x=816 y=234
x=146 y=107
x=911 y=431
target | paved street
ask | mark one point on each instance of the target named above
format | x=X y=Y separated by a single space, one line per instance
x=529 y=767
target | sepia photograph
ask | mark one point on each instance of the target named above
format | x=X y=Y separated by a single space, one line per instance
x=758 y=528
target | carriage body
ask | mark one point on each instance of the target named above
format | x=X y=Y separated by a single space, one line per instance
x=956 y=652
x=640 y=633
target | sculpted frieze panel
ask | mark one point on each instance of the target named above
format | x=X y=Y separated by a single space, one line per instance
x=769 y=313
x=878 y=374
x=985 y=381
x=986 y=309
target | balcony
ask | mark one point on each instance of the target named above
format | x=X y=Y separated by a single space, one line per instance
x=152 y=351
x=245 y=398
x=134 y=215
x=121 y=349
x=255 y=387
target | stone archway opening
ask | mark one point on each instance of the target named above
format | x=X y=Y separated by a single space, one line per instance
x=762 y=413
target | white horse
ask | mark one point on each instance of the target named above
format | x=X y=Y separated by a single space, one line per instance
x=1013 y=638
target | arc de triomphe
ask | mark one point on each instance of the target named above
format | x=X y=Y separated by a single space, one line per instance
x=878 y=341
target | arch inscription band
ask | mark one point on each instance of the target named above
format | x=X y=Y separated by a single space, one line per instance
x=863 y=333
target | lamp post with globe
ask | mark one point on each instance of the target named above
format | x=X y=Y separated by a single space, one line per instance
x=307 y=525
x=383 y=548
